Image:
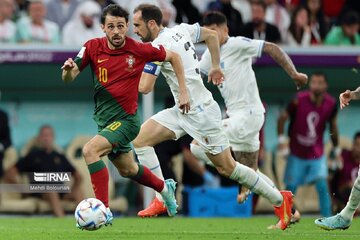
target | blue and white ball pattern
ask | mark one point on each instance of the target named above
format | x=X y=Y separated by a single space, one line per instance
x=90 y=214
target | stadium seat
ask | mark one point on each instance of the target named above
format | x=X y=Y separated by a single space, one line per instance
x=12 y=202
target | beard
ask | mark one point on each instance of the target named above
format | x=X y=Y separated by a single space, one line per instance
x=116 y=41
x=147 y=37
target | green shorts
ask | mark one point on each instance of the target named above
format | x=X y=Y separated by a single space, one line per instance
x=120 y=133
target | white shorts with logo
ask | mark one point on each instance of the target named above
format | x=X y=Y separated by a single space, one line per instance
x=203 y=124
x=242 y=129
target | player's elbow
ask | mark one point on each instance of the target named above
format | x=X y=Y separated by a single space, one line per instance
x=144 y=89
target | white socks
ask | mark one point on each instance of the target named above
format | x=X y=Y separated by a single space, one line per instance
x=148 y=158
x=199 y=153
x=353 y=202
x=250 y=179
x=266 y=179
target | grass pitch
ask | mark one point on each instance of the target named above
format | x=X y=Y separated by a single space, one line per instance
x=169 y=228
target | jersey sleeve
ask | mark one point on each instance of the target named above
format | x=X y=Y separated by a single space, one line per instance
x=82 y=59
x=205 y=62
x=194 y=30
x=152 y=52
x=250 y=47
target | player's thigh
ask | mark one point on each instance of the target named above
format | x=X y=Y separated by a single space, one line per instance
x=223 y=162
x=160 y=127
x=249 y=159
x=317 y=169
x=295 y=171
x=120 y=133
x=98 y=145
x=243 y=129
x=205 y=127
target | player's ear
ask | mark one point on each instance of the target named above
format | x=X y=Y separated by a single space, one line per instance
x=102 y=27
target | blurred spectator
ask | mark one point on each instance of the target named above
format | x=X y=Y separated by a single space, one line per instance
x=7 y=27
x=299 y=33
x=5 y=139
x=47 y=159
x=278 y=16
x=290 y=5
x=345 y=177
x=60 y=11
x=202 y=6
x=347 y=33
x=233 y=16
x=243 y=6
x=34 y=28
x=332 y=8
x=319 y=26
x=186 y=12
x=351 y=5
x=258 y=28
x=104 y=3
x=309 y=113
x=85 y=23
x=21 y=6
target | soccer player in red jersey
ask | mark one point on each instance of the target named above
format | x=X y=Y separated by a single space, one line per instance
x=117 y=63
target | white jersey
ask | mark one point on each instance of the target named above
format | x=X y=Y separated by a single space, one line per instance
x=181 y=39
x=239 y=89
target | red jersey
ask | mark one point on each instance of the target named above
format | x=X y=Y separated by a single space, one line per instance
x=116 y=75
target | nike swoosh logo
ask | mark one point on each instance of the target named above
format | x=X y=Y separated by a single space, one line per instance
x=286 y=217
x=102 y=60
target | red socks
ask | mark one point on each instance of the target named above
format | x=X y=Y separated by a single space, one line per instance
x=147 y=178
x=100 y=181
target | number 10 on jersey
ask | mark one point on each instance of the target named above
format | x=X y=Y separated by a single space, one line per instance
x=103 y=76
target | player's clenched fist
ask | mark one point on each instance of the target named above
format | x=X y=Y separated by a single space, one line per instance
x=300 y=80
x=345 y=98
x=68 y=64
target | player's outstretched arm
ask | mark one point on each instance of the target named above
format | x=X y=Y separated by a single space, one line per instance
x=176 y=63
x=347 y=96
x=210 y=37
x=69 y=70
x=281 y=58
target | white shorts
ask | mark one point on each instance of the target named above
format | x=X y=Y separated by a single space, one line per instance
x=243 y=129
x=204 y=125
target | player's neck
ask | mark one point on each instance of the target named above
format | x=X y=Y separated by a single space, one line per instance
x=158 y=31
x=317 y=99
x=225 y=40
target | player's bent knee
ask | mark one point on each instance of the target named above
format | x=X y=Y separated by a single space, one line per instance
x=223 y=171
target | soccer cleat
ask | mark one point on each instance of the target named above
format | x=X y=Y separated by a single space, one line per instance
x=169 y=197
x=333 y=223
x=155 y=208
x=243 y=195
x=295 y=218
x=284 y=211
x=109 y=217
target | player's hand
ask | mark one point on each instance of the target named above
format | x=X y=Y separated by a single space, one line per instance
x=68 y=64
x=184 y=101
x=300 y=80
x=216 y=76
x=345 y=98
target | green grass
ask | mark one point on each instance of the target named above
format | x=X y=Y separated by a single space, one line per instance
x=166 y=228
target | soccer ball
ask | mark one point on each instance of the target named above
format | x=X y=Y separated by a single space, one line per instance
x=90 y=214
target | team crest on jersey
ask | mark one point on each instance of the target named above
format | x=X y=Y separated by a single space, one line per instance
x=130 y=60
